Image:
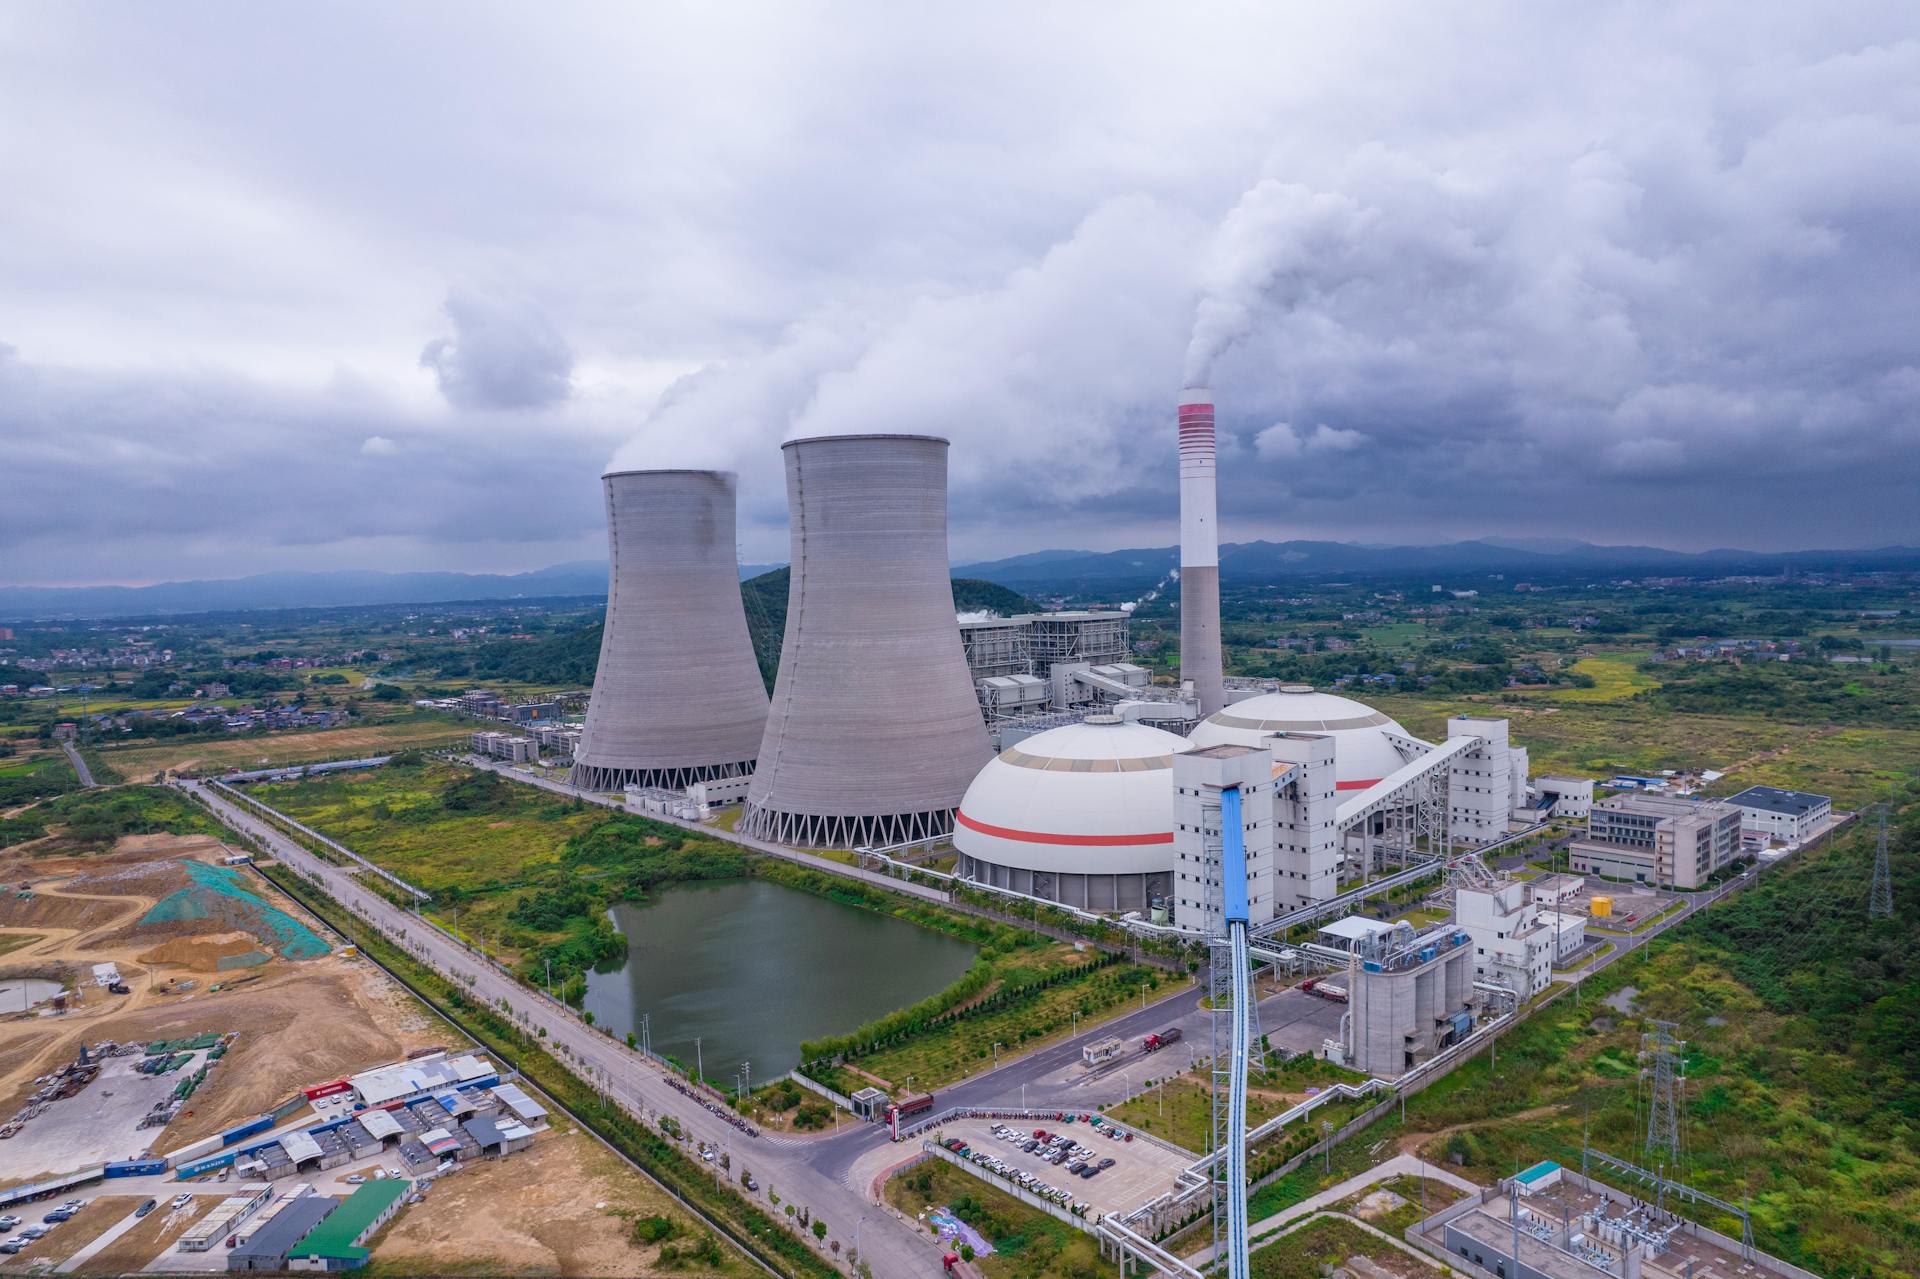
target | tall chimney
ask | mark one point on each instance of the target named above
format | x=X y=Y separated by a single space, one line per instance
x=1199 y=553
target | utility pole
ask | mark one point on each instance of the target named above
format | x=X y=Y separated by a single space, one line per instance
x=1880 y=901
x=699 y=1071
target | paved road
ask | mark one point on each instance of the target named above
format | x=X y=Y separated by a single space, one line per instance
x=79 y=765
x=634 y=1081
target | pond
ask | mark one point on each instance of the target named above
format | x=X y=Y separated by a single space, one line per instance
x=21 y=993
x=752 y=968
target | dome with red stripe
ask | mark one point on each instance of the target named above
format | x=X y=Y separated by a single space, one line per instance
x=1362 y=754
x=1088 y=798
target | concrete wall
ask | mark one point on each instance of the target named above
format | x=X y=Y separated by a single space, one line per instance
x=874 y=731
x=678 y=695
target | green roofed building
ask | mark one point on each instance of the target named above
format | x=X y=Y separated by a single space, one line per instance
x=335 y=1244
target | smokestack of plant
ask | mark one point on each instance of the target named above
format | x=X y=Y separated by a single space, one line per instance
x=1200 y=661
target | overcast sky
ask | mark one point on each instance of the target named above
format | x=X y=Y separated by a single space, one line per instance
x=318 y=286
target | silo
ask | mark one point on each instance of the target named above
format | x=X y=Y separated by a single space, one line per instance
x=678 y=697
x=874 y=732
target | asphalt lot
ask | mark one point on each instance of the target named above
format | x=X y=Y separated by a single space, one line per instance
x=1140 y=1169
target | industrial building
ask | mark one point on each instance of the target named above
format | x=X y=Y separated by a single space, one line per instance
x=1550 y=1222
x=1770 y=814
x=875 y=730
x=1512 y=945
x=508 y=746
x=1199 y=775
x=1410 y=996
x=1662 y=840
x=1026 y=666
x=1564 y=796
x=678 y=696
x=1080 y=814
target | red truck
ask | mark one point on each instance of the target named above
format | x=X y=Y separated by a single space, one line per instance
x=1325 y=989
x=1154 y=1043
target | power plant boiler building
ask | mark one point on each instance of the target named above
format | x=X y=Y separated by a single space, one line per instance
x=678 y=697
x=874 y=730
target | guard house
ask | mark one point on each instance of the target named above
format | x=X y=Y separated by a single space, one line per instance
x=870 y=1103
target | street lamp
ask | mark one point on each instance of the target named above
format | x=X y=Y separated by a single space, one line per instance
x=996 y=1054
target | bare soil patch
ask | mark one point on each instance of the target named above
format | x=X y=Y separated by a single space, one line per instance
x=565 y=1207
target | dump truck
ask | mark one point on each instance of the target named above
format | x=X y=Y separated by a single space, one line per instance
x=1155 y=1042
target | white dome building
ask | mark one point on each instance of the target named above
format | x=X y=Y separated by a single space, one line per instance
x=1081 y=815
x=1362 y=755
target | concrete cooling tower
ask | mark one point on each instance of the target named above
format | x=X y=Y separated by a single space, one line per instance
x=875 y=731
x=678 y=697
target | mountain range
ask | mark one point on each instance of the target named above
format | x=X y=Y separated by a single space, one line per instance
x=1058 y=569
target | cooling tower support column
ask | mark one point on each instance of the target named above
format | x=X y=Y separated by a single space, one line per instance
x=1200 y=660
x=678 y=696
x=874 y=732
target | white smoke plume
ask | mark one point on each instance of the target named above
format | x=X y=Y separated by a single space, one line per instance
x=1281 y=244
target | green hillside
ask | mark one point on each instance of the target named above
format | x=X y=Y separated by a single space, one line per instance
x=569 y=658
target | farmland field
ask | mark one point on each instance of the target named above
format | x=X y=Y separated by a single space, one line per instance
x=146 y=760
x=1616 y=677
x=1853 y=764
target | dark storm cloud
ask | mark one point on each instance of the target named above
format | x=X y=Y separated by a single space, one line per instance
x=1630 y=273
x=504 y=354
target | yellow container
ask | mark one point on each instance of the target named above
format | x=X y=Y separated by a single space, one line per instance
x=1601 y=907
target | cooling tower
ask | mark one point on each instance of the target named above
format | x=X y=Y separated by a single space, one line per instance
x=678 y=697
x=1199 y=553
x=875 y=731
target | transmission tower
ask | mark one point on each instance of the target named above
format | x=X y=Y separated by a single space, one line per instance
x=1668 y=1069
x=1880 y=901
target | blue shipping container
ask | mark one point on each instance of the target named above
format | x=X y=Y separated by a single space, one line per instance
x=136 y=1168
x=246 y=1130
x=212 y=1163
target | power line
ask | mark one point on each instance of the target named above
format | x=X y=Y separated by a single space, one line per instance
x=1669 y=1076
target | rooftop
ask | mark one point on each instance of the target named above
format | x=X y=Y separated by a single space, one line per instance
x=1772 y=799
x=335 y=1236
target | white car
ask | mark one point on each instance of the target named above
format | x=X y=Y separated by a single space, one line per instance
x=354 y=1180
x=181 y=1201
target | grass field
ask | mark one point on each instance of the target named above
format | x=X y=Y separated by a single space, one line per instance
x=1028 y=1243
x=1322 y=1246
x=1180 y=1109
x=146 y=760
x=395 y=817
x=1616 y=677
x=1854 y=765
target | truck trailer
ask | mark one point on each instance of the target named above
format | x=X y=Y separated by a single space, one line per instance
x=1155 y=1042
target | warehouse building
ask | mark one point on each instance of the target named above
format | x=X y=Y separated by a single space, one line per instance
x=419 y=1077
x=271 y=1241
x=1661 y=840
x=1780 y=816
x=336 y=1242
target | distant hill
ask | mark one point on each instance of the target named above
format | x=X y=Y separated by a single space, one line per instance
x=571 y=657
x=1258 y=561
x=1101 y=570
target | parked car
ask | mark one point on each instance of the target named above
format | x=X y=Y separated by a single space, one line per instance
x=354 y=1180
x=146 y=1207
x=182 y=1200
x=9 y=1221
x=12 y=1246
x=1107 y=1162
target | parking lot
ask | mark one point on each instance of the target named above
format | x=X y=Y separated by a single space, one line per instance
x=1140 y=1168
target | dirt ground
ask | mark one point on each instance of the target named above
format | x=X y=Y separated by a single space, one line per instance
x=298 y=1023
x=565 y=1207
x=155 y=1232
x=71 y=1236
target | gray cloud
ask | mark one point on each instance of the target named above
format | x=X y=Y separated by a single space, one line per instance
x=504 y=354
x=1514 y=272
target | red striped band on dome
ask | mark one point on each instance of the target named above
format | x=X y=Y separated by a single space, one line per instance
x=1079 y=841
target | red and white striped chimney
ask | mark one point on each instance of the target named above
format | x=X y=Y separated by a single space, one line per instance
x=1200 y=660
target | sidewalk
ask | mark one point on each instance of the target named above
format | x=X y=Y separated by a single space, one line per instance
x=1399 y=1165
